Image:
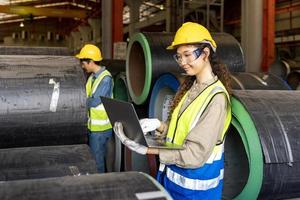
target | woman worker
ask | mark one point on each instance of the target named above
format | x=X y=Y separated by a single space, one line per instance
x=200 y=117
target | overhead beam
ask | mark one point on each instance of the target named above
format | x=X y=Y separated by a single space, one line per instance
x=158 y=17
x=49 y=12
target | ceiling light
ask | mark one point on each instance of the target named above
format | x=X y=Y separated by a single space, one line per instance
x=21 y=24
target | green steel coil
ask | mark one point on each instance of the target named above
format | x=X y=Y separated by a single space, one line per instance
x=120 y=90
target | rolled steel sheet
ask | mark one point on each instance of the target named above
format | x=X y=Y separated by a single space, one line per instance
x=42 y=101
x=257 y=81
x=162 y=96
x=280 y=68
x=114 y=66
x=293 y=64
x=46 y=161
x=114 y=155
x=230 y=52
x=29 y=50
x=261 y=150
x=147 y=59
x=293 y=80
x=120 y=90
x=112 y=186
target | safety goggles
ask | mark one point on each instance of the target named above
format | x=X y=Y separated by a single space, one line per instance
x=188 y=57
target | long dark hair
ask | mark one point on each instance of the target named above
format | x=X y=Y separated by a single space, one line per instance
x=218 y=69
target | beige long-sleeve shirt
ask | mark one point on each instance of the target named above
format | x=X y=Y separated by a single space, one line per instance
x=201 y=140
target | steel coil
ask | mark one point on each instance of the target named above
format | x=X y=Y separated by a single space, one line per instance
x=29 y=50
x=120 y=89
x=293 y=80
x=162 y=95
x=42 y=101
x=257 y=81
x=114 y=66
x=112 y=186
x=47 y=161
x=261 y=149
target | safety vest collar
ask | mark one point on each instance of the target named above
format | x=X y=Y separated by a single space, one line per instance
x=180 y=125
x=92 y=87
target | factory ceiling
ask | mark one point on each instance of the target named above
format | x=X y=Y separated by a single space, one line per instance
x=61 y=16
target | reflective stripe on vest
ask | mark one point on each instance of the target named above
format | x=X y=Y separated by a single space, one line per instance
x=194 y=184
x=97 y=117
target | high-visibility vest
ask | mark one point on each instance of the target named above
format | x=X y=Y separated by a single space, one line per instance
x=206 y=181
x=97 y=117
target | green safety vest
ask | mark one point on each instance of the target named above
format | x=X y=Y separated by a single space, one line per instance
x=97 y=117
x=181 y=125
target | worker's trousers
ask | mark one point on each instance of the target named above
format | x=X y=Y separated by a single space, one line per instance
x=98 y=145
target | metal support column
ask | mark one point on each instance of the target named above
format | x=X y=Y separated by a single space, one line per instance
x=117 y=13
x=173 y=15
x=251 y=34
x=268 y=46
x=134 y=6
x=106 y=29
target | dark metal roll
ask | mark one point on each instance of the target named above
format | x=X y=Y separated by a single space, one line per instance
x=29 y=50
x=112 y=186
x=262 y=159
x=162 y=96
x=230 y=52
x=280 y=68
x=147 y=59
x=46 y=161
x=293 y=80
x=257 y=81
x=114 y=66
x=120 y=90
x=42 y=101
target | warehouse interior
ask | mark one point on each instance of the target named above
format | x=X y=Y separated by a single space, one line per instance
x=45 y=147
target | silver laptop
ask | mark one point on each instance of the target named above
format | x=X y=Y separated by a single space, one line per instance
x=124 y=112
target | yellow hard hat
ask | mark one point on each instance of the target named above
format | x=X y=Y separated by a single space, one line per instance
x=90 y=51
x=190 y=33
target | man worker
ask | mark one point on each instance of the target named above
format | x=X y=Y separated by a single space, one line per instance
x=99 y=83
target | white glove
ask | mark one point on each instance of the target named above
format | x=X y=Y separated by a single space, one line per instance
x=118 y=129
x=140 y=149
x=132 y=145
x=149 y=124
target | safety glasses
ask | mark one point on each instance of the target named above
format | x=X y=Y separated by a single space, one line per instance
x=188 y=57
